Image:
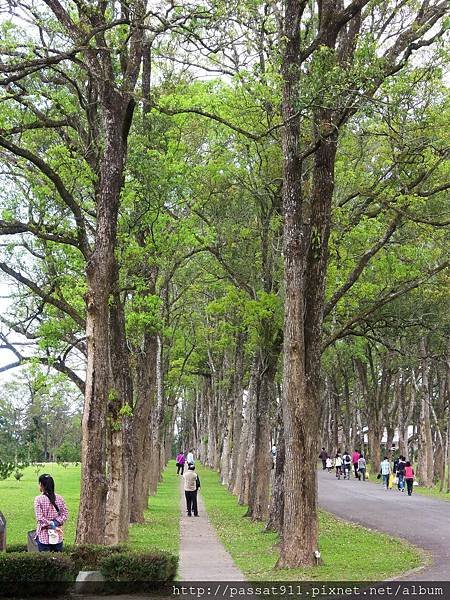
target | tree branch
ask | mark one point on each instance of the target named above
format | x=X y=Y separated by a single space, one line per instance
x=64 y=193
x=393 y=295
x=354 y=275
x=59 y=303
x=16 y=227
x=58 y=364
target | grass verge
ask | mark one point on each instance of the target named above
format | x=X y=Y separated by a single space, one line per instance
x=350 y=552
x=433 y=492
x=160 y=530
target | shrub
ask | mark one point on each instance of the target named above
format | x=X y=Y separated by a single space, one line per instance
x=18 y=475
x=139 y=571
x=16 y=548
x=86 y=557
x=35 y=574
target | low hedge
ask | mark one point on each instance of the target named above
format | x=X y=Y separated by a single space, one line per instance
x=46 y=574
x=16 y=548
x=138 y=571
x=35 y=574
x=86 y=557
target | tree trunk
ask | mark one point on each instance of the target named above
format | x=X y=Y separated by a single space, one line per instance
x=374 y=438
x=425 y=462
x=261 y=468
x=448 y=414
x=142 y=435
x=402 y=416
x=100 y=274
x=237 y=400
x=276 y=511
x=306 y=230
x=248 y=447
x=119 y=412
x=157 y=421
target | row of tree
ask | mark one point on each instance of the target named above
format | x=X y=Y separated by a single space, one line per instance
x=229 y=215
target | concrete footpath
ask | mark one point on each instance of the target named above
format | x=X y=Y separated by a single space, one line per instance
x=421 y=520
x=202 y=555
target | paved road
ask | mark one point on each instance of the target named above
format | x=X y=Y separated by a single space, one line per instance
x=419 y=519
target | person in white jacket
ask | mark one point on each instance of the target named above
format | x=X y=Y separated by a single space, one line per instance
x=338 y=465
x=190 y=458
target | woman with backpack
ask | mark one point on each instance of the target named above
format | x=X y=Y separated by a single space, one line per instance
x=51 y=513
x=347 y=463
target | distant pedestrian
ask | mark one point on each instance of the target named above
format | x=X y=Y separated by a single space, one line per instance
x=362 y=466
x=355 y=458
x=394 y=466
x=180 y=463
x=191 y=485
x=338 y=465
x=409 y=477
x=347 y=462
x=329 y=464
x=273 y=455
x=323 y=457
x=400 y=473
x=51 y=513
x=385 y=470
x=190 y=458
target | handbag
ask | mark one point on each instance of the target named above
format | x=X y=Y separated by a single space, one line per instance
x=32 y=541
x=379 y=476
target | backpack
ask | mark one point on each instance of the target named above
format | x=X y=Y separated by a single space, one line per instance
x=347 y=459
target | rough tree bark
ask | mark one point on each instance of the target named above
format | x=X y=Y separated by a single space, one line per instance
x=276 y=511
x=100 y=276
x=119 y=430
x=145 y=393
x=258 y=501
x=238 y=399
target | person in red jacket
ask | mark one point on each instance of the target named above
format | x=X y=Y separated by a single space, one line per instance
x=409 y=477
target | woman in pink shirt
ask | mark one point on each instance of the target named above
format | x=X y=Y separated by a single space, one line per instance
x=51 y=513
x=409 y=477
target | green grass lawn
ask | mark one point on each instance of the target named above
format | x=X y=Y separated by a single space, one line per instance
x=161 y=529
x=432 y=492
x=350 y=552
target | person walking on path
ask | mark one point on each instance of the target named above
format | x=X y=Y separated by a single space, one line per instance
x=190 y=458
x=338 y=465
x=347 y=462
x=355 y=459
x=362 y=466
x=323 y=457
x=180 y=463
x=191 y=485
x=409 y=477
x=329 y=463
x=385 y=469
x=51 y=513
x=400 y=473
